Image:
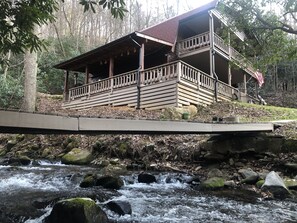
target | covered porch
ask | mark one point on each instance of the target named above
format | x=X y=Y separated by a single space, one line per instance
x=172 y=84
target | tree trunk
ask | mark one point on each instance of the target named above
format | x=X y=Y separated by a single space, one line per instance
x=30 y=70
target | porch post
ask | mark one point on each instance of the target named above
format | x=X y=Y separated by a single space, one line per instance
x=229 y=74
x=140 y=77
x=87 y=76
x=66 y=85
x=111 y=72
x=211 y=39
x=244 y=83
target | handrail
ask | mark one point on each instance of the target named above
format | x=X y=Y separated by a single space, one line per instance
x=193 y=43
x=159 y=73
x=177 y=70
x=220 y=43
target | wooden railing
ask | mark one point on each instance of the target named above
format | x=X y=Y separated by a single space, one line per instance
x=119 y=81
x=220 y=43
x=158 y=74
x=202 y=40
x=177 y=70
x=193 y=43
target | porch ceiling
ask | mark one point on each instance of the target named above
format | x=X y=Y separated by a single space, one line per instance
x=124 y=48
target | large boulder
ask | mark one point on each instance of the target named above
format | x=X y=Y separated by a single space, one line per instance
x=213 y=183
x=77 y=157
x=275 y=185
x=110 y=182
x=249 y=176
x=146 y=178
x=120 y=207
x=76 y=210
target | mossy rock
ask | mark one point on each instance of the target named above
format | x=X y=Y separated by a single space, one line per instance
x=110 y=182
x=213 y=183
x=88 y=181
x=2 y=151
x=47 y=152
x=260 y=183
x=77 y=157
x=76 y=210
x=10 y=144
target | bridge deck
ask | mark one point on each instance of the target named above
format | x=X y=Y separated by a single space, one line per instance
x=35 y=123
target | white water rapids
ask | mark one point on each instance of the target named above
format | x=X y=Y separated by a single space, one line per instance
x=170 y=200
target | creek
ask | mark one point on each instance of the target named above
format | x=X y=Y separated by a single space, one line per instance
x=26 y=193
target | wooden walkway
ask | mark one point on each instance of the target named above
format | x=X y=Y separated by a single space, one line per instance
x=35 y=123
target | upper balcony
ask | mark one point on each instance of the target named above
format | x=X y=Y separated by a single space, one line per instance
x=201 y=43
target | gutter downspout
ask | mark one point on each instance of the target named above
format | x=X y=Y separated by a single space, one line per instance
x=212 y=55
x=138 y=73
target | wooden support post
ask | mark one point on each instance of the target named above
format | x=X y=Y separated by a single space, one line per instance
x=87 y=75
x=66 y=86
x=244 y=83
x=211 y=39
x=111 y=72
x=141 y=63
x=140 y=77
x=229 y=74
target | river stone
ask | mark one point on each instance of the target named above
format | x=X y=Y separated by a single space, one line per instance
x=146 y=178
x=291 y=166
x=88 y=181
x=275 y=185
x=76 y=210
x=249 y=176
x=120 y=207
x=213 y=183
x=210 y=156
x=77 y=157
x=215 y=173
x=110 y=182
x=291 y=184
x=10 y=144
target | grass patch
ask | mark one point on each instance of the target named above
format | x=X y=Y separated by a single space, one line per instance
x=269 y=113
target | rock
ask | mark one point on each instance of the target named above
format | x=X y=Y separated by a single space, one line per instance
x=195 y=180
x=291 y=184
x=114 y=170
x=2 y=151
x=146 y=178
x=10 y=144
x=120 y=207
x=231 y=162
x=214 y=173
x=275 y=185
x=77 y=157
x=192 y=109
x=213 y=183
x=76 y=210
x=214 y=156
x=249 y=176
x=110 y=182
x=88 y=181
x=20 y=160
x=291 y=166
x=260 y=183
x=230 y=183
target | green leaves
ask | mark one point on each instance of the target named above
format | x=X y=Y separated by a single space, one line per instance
x=116 y=7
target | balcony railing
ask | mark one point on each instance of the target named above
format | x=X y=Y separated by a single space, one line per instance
x=177 y=70
x=200 y=41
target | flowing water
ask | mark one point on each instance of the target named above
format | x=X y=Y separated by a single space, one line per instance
x=168 y=200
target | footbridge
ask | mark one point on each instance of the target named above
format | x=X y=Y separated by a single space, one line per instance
x=37 y=123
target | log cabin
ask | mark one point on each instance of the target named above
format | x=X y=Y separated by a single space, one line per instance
x=180 y=62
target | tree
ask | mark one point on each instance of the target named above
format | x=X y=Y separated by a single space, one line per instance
x=19 y=17
x=264 y=14
x=18 y=23
x=270 y=32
